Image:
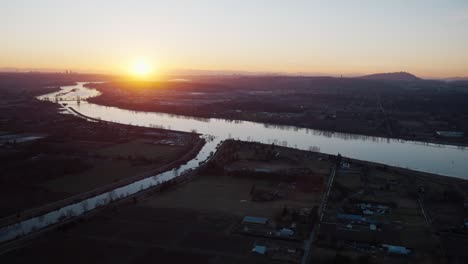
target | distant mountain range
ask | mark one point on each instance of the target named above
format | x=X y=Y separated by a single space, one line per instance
x=392 y=76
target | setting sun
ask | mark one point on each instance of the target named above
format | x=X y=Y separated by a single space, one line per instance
x=141 y=69
x=257 y=131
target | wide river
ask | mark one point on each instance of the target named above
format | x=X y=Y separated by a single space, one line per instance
x=440 y=159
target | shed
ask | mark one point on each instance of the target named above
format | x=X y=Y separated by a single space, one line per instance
x=397 y=249
x=355 y=218
x=286 y=232
x=368 y=212
x=255 y=220
x=259 y=250
x=450 y=134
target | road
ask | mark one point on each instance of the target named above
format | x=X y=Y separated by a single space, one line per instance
x=323 y=205
x=387 y=119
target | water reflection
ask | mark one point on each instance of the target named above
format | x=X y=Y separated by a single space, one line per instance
x=428 y=157
x=436 y=158
x=76 y=209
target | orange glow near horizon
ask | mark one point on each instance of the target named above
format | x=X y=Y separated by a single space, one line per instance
x=142 y=69
x=307 y=37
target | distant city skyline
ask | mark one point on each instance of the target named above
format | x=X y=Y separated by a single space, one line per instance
x=198 y=72
x=426 y=38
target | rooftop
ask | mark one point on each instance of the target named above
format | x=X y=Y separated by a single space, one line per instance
x=255 y=220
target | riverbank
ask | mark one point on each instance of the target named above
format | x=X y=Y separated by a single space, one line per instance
x=355 y=112
x=381 y=150
x=75 y=158
x=133 y=196
x=151 y=209
x=199 y=216
x=27 y=214
x=270 y=119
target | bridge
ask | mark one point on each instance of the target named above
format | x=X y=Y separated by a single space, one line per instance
x=63 y=99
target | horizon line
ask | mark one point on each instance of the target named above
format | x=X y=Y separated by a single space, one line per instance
x=209 y=72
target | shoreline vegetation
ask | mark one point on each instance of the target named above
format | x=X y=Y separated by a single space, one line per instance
x=227 y=169
x=277 y=108
x=72 y=157
x=34 y=212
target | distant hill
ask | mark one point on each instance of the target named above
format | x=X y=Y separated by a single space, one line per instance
x=453 y=79
x=392 y=76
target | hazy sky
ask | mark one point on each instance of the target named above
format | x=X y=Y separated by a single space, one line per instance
x=425 y=37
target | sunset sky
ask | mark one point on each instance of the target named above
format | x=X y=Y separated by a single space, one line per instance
x=426 y=37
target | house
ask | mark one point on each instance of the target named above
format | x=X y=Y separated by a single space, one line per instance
x=355 y=218
x=371 y=209
x=450 y=134
x=285 y=232
x=255 y=220
x=396 y=249
x=259 y=250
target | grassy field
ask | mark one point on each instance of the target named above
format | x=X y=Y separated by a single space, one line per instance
x=191 y=223
x=225 y=194
x=140 y=148
x=109 y=169
x=141 y=234
x=102 y=173
x=52 y=170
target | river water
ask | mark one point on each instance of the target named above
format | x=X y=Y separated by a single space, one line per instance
x=439 y=159
x=435 y=158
